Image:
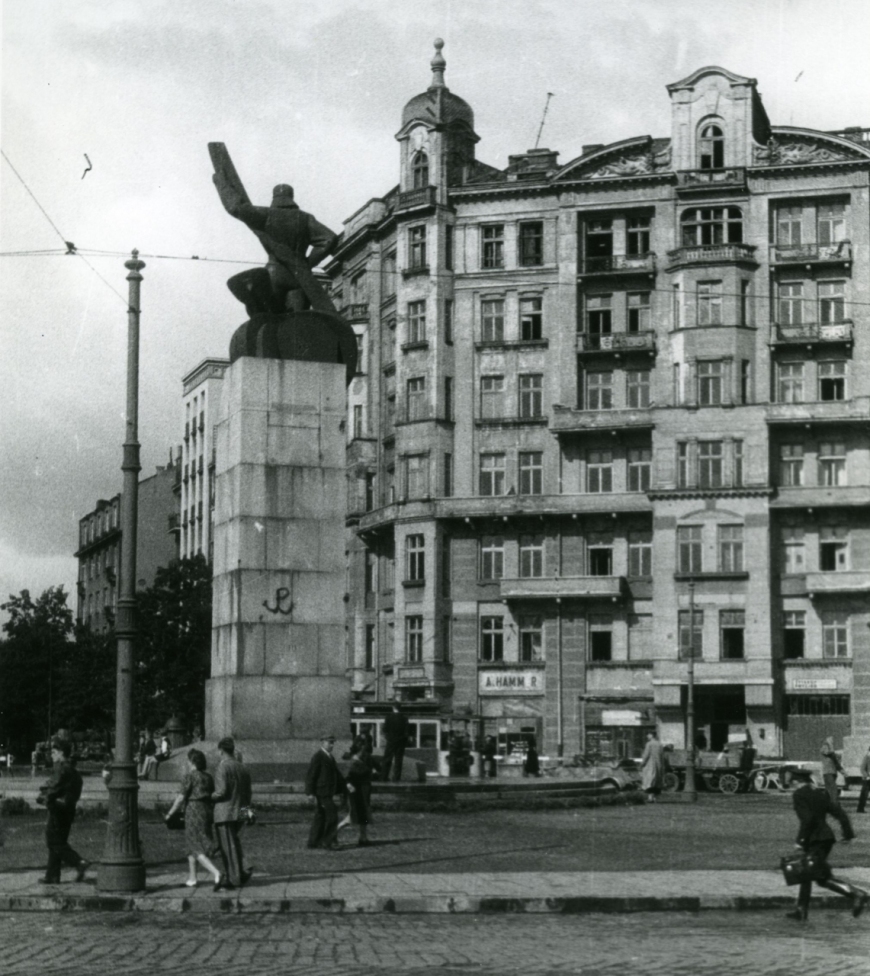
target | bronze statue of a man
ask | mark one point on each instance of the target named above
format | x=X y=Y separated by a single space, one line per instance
x=286 y=284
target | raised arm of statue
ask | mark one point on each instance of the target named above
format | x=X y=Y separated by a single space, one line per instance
x=226 y=179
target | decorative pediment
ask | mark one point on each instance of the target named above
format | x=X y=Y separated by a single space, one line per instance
x=634 y=157
x=799 y=148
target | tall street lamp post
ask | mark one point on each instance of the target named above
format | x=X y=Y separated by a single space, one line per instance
x=122 y=867
x=689 y=789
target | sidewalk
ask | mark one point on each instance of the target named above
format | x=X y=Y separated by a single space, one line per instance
x=387 y=892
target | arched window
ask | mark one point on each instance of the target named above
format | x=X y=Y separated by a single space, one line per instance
x=711 y=147
x=420 y=171
x=712 y=225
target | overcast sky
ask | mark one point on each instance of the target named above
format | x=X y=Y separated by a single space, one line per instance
x=309 y=93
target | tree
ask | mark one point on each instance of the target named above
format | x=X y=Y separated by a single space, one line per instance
x=174 y=649
x=32 y=657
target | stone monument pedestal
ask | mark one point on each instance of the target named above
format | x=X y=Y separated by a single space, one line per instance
x=279 y=669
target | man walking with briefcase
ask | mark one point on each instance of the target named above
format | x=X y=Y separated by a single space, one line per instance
x=815 y=838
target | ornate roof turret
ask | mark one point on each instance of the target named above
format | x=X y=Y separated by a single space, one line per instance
x=438 y=105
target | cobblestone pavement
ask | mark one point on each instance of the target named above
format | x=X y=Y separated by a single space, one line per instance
x=709 y=944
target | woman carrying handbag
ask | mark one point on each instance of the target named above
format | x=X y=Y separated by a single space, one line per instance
x=196 y=803
x=815 y=838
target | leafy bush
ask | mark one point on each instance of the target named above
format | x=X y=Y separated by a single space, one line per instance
x=14 y=806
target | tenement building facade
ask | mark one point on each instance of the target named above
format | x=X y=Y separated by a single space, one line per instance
x=612 y=413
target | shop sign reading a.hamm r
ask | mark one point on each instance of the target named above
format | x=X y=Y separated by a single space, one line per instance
x=526 y=681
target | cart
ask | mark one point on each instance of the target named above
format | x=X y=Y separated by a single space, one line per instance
x=717 y=772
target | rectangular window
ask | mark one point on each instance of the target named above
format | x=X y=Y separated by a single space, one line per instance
x=531 y=470
x=832 y=464
x=493 y=246
x=737 y=464
x=710 y=382
x=790 y=382
x=370 y=490
x=677 y=305
x=416 y=400
x=598 y=314
x=794 y=624
x=745 y=380
x=417 y=321
x=599 y=245
x=793 y=550
x=531 y=318
x=833 y=549
x=447 y=639
x=491 y=397
x=448 y=321
x=446 y=566
x=599 y=554
x=640 y=554
x=791 y=465
x=492 y=557
x=531 y=556
x=691 y=626
x=492 y=474
x=369 y=648
x=745 y=304
x=732 y=625
x=791 y=303
x=414 y=639
x=832 y=302
x=357 y=420
x=638 y=307
x=637 y=235
x=492 y=320
x=835 y=635
x=417 y=248
x=599 y=391
x=731 y=548
x=831 y=223
x=491 y=639
x=531 y=395
x=832 y=380
x=637 y=383
x=788 y=225
x=415 y=558
x=448 y=475
x=689 y=549
x=683 y=465
x=532 y=243
x=448 y=398
x=531 y=629
x=709 y=303
x=417 y=475
x=639 y=468
x=600 y=637
x=449 y=237
x=710 y=470
x=599 y=472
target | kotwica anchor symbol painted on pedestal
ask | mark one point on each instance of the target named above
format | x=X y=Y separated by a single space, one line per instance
x=281 y=595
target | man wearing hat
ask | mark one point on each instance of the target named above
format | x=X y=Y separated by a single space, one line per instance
x=322 y=782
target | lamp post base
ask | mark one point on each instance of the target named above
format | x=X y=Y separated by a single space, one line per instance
x=121 y=867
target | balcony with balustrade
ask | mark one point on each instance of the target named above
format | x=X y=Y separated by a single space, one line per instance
x=711 y=254
x=563 y=588
x=618 y=264
x=811 y=333
x=414 y=199
x=852 y=410
x=809 y=255
x=696 y=182
x=570 y=419
x=591 y=343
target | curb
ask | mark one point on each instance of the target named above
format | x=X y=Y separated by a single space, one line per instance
x=402 y=905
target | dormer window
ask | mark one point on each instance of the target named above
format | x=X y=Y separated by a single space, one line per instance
x=711 y=147
x=420 y=171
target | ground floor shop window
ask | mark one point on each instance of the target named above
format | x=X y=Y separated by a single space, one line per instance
x=813 y=705
x=600 y=637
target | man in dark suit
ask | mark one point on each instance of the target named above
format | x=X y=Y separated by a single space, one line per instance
x=813 y=806
x=323 y=782
x=232 y=791
x=60 y=795
x=396 y=734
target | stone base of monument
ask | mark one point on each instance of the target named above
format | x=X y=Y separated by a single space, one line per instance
x=279 y=665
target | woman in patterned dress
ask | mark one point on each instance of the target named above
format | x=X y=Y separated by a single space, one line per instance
x=195 y=798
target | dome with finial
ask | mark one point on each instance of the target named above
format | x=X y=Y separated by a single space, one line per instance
x=438 y=105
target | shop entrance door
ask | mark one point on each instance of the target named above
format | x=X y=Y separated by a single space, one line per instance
x=718 y=710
